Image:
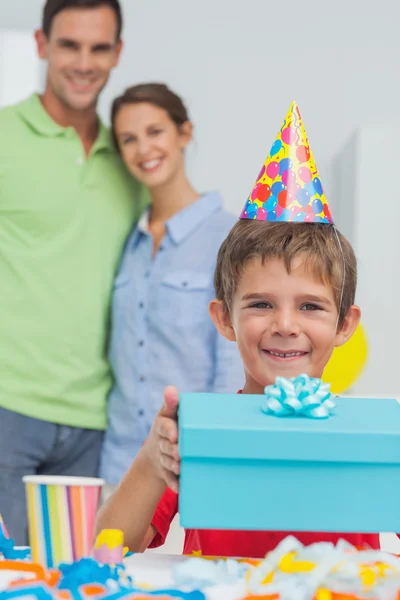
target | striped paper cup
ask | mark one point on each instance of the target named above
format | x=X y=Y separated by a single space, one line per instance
x=61 y=517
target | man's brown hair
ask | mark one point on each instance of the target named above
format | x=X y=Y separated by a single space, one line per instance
x=53 y=7
x=326 y=252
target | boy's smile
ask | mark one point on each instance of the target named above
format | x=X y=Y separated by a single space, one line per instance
x=287 y=355
x=284 y=323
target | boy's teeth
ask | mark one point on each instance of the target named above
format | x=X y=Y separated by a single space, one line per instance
x=285 y=354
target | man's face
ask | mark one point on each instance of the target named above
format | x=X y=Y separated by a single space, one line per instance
x=81 y=50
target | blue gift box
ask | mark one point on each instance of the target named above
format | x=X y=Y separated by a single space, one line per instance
x=243 y=469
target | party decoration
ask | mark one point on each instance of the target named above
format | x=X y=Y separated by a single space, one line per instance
x=8 y=550
x=109 y=547
x=299 y=396
x=324 y=571
x=290 y=177
x=35 y=572
x=347 y=362
x=88 y=570
x=3 y=529
x=33 y=591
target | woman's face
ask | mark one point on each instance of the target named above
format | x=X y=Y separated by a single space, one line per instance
x=151 y=144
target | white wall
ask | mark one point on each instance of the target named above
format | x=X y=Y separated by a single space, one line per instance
x=18 y=56
x=20 y=14
x=369 y=189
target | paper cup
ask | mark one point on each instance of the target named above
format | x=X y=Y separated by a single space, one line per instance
x=61 y=517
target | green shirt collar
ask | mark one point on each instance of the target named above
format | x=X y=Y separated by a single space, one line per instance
x=104 y=139
x=34 y=113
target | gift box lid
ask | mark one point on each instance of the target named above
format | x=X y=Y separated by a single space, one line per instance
x=233 y=426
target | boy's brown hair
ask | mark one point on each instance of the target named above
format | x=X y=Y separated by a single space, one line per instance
x=327 y=253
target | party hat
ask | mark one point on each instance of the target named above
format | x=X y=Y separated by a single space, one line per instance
x=288 y=187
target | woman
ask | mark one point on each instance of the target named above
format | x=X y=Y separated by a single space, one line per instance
x=161 y=330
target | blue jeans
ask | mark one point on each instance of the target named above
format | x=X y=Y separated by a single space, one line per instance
x=31 y=446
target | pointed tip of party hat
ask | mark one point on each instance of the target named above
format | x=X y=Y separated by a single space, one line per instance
x=288 y=187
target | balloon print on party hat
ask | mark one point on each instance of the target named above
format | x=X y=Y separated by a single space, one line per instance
x=288 y=187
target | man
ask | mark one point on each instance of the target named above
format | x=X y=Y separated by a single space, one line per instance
x=66 y=207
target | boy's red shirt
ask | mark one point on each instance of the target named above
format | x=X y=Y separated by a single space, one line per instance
x=254 y=544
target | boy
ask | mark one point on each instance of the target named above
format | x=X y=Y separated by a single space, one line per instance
x=285 y=293
x=279 y=295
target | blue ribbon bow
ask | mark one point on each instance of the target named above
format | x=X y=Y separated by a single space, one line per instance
x=300 y=396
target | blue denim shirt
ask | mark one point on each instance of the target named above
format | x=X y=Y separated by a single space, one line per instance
x=161 y=330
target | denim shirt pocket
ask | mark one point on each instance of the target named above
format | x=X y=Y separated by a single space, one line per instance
x=184 y=297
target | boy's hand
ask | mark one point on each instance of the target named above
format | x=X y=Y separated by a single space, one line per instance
x=162 y=443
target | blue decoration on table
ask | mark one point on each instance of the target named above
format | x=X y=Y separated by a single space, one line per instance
x=17 y=553
x=37 y=591
x=6 y=544
x=10 y=551
x=299 y=396
x=78 y=573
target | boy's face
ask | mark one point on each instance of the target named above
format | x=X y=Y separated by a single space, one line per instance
x=284 y=324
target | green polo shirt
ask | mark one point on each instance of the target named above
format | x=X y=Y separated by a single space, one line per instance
x=63 y=222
